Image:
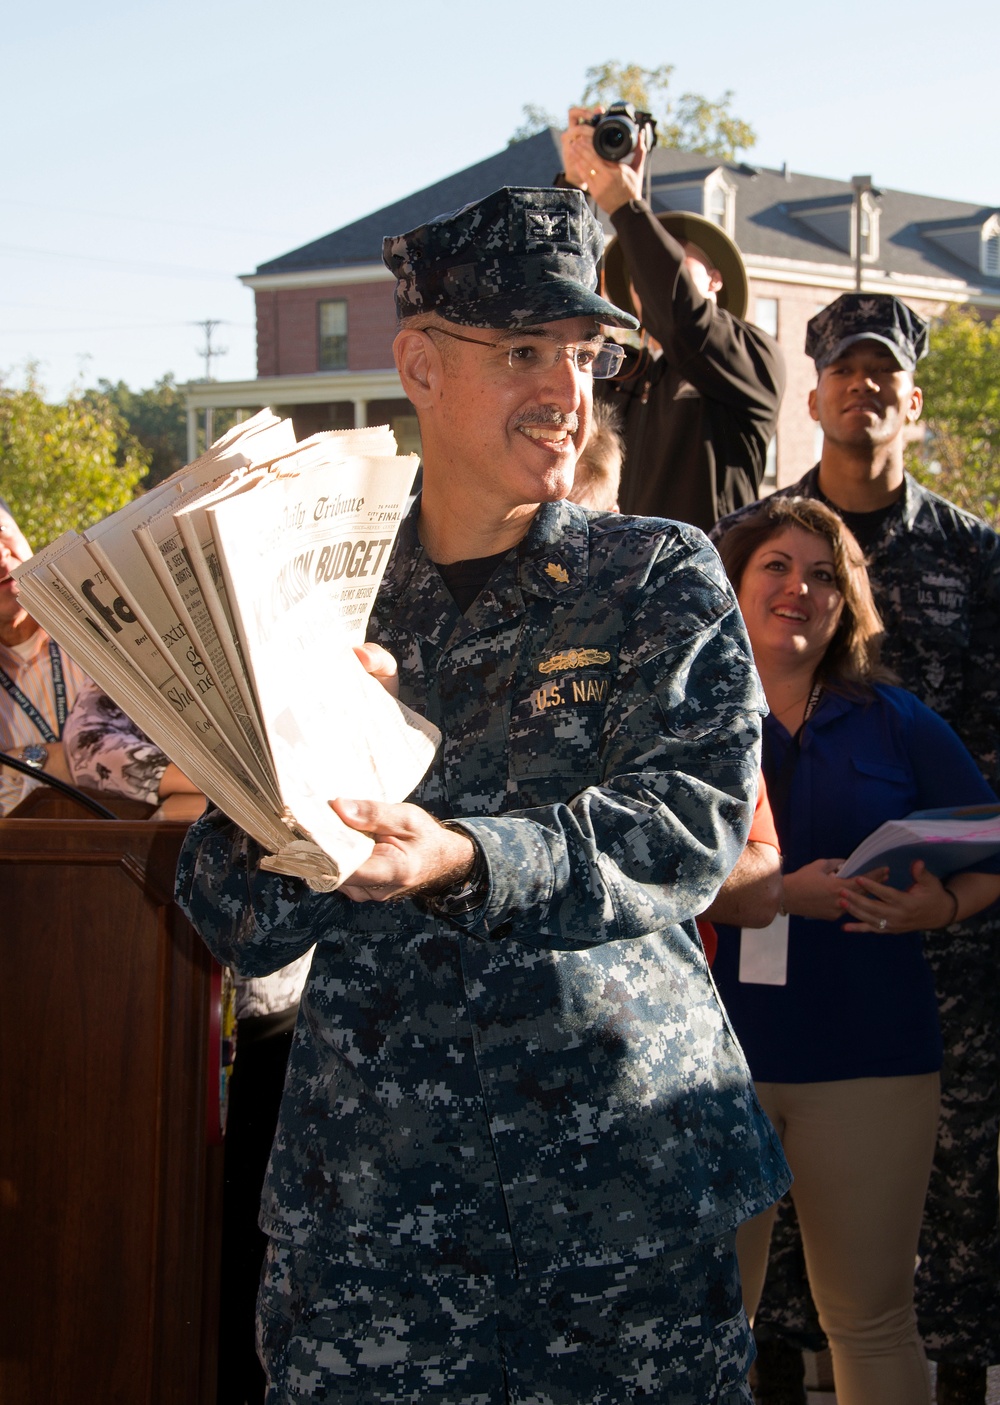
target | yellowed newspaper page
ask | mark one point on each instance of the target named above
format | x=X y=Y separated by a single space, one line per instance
x=161 y=542
x=301 y=590
x=164 y=547
x=61 y=611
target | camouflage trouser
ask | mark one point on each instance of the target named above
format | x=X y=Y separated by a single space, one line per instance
x=669 y=1330
x=958 y=1280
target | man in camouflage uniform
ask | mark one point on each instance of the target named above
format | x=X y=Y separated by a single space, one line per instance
x=517 y=1134
x=935 y=573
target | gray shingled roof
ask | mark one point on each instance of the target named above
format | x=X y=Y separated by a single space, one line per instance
x=766 y=201
x=531 y=162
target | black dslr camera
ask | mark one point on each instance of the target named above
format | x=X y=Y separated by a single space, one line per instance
x=617 y=131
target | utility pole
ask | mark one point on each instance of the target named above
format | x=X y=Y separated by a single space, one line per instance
x=208 y=351
x=862 y=187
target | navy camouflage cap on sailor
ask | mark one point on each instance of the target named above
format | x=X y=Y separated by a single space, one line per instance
x=858 y=317
x=517 y=258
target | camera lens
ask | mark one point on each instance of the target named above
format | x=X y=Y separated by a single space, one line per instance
x=615 y=138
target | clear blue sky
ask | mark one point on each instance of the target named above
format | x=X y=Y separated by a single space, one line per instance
x=154 y=152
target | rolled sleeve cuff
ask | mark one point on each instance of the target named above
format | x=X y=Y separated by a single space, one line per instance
x=522 y=875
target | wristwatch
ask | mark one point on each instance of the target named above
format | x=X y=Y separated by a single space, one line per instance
x=462 y=898
x=34 y=755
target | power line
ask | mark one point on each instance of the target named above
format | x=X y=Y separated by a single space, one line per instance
x=119 y=217
x=124 y=327
x=165 y=270
x=209 y=351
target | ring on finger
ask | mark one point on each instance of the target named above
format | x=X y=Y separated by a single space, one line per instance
x=882 y=923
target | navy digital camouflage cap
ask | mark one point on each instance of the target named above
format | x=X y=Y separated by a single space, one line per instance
x=517 y=258
x=858 y=317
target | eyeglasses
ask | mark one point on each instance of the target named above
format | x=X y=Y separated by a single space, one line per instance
x=533 y=355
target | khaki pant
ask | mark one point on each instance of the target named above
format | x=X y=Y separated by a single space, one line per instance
x=860 y=1150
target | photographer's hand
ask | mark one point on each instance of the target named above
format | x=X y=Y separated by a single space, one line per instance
x=611 y=183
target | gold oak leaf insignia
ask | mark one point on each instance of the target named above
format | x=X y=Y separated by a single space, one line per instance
x=557 y=572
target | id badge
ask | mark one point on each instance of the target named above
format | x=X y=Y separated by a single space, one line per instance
x=764 y=953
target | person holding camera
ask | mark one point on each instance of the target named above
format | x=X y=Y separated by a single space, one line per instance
x=700 y=396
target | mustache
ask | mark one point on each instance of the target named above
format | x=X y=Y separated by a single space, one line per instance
x=550 y=416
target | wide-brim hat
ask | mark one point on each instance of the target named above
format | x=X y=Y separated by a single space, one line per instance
x=733 y=296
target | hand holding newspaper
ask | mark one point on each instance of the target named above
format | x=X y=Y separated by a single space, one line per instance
x=220 y=612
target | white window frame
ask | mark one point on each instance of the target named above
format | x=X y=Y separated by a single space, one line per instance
x=768 y=322
x=717 y=186
x=322 y=336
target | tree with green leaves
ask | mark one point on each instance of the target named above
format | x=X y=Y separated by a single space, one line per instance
x=535 y=120
x=692 y=123
x=959 y=456
x=64 y=465
x=157 y=419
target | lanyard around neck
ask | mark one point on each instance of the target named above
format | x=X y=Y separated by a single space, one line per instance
x=28 y=707
x=779 y=791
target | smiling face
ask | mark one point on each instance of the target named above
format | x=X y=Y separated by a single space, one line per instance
x=790 y=599
x=499 y=436
x=13 y=550
x=864 y=398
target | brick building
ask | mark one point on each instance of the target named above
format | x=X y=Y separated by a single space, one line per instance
x=325 y=319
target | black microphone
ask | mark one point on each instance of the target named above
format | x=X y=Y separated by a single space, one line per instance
x=95 y=806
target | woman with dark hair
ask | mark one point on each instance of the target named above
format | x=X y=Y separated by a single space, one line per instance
x=838 y=1017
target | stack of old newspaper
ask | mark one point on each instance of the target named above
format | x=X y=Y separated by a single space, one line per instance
x=219 y=611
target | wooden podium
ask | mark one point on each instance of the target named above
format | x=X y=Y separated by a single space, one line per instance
x=110 y=1159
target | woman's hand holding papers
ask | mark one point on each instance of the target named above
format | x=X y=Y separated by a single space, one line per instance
x=927 y=904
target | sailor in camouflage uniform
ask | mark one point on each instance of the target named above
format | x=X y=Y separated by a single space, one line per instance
x=518 y=1133
x=935 y=574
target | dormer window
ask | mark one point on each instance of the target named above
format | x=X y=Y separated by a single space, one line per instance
x=974 y=240
x=720 y=202
x=832 y=217
x=704 y=192
x=990 y=248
